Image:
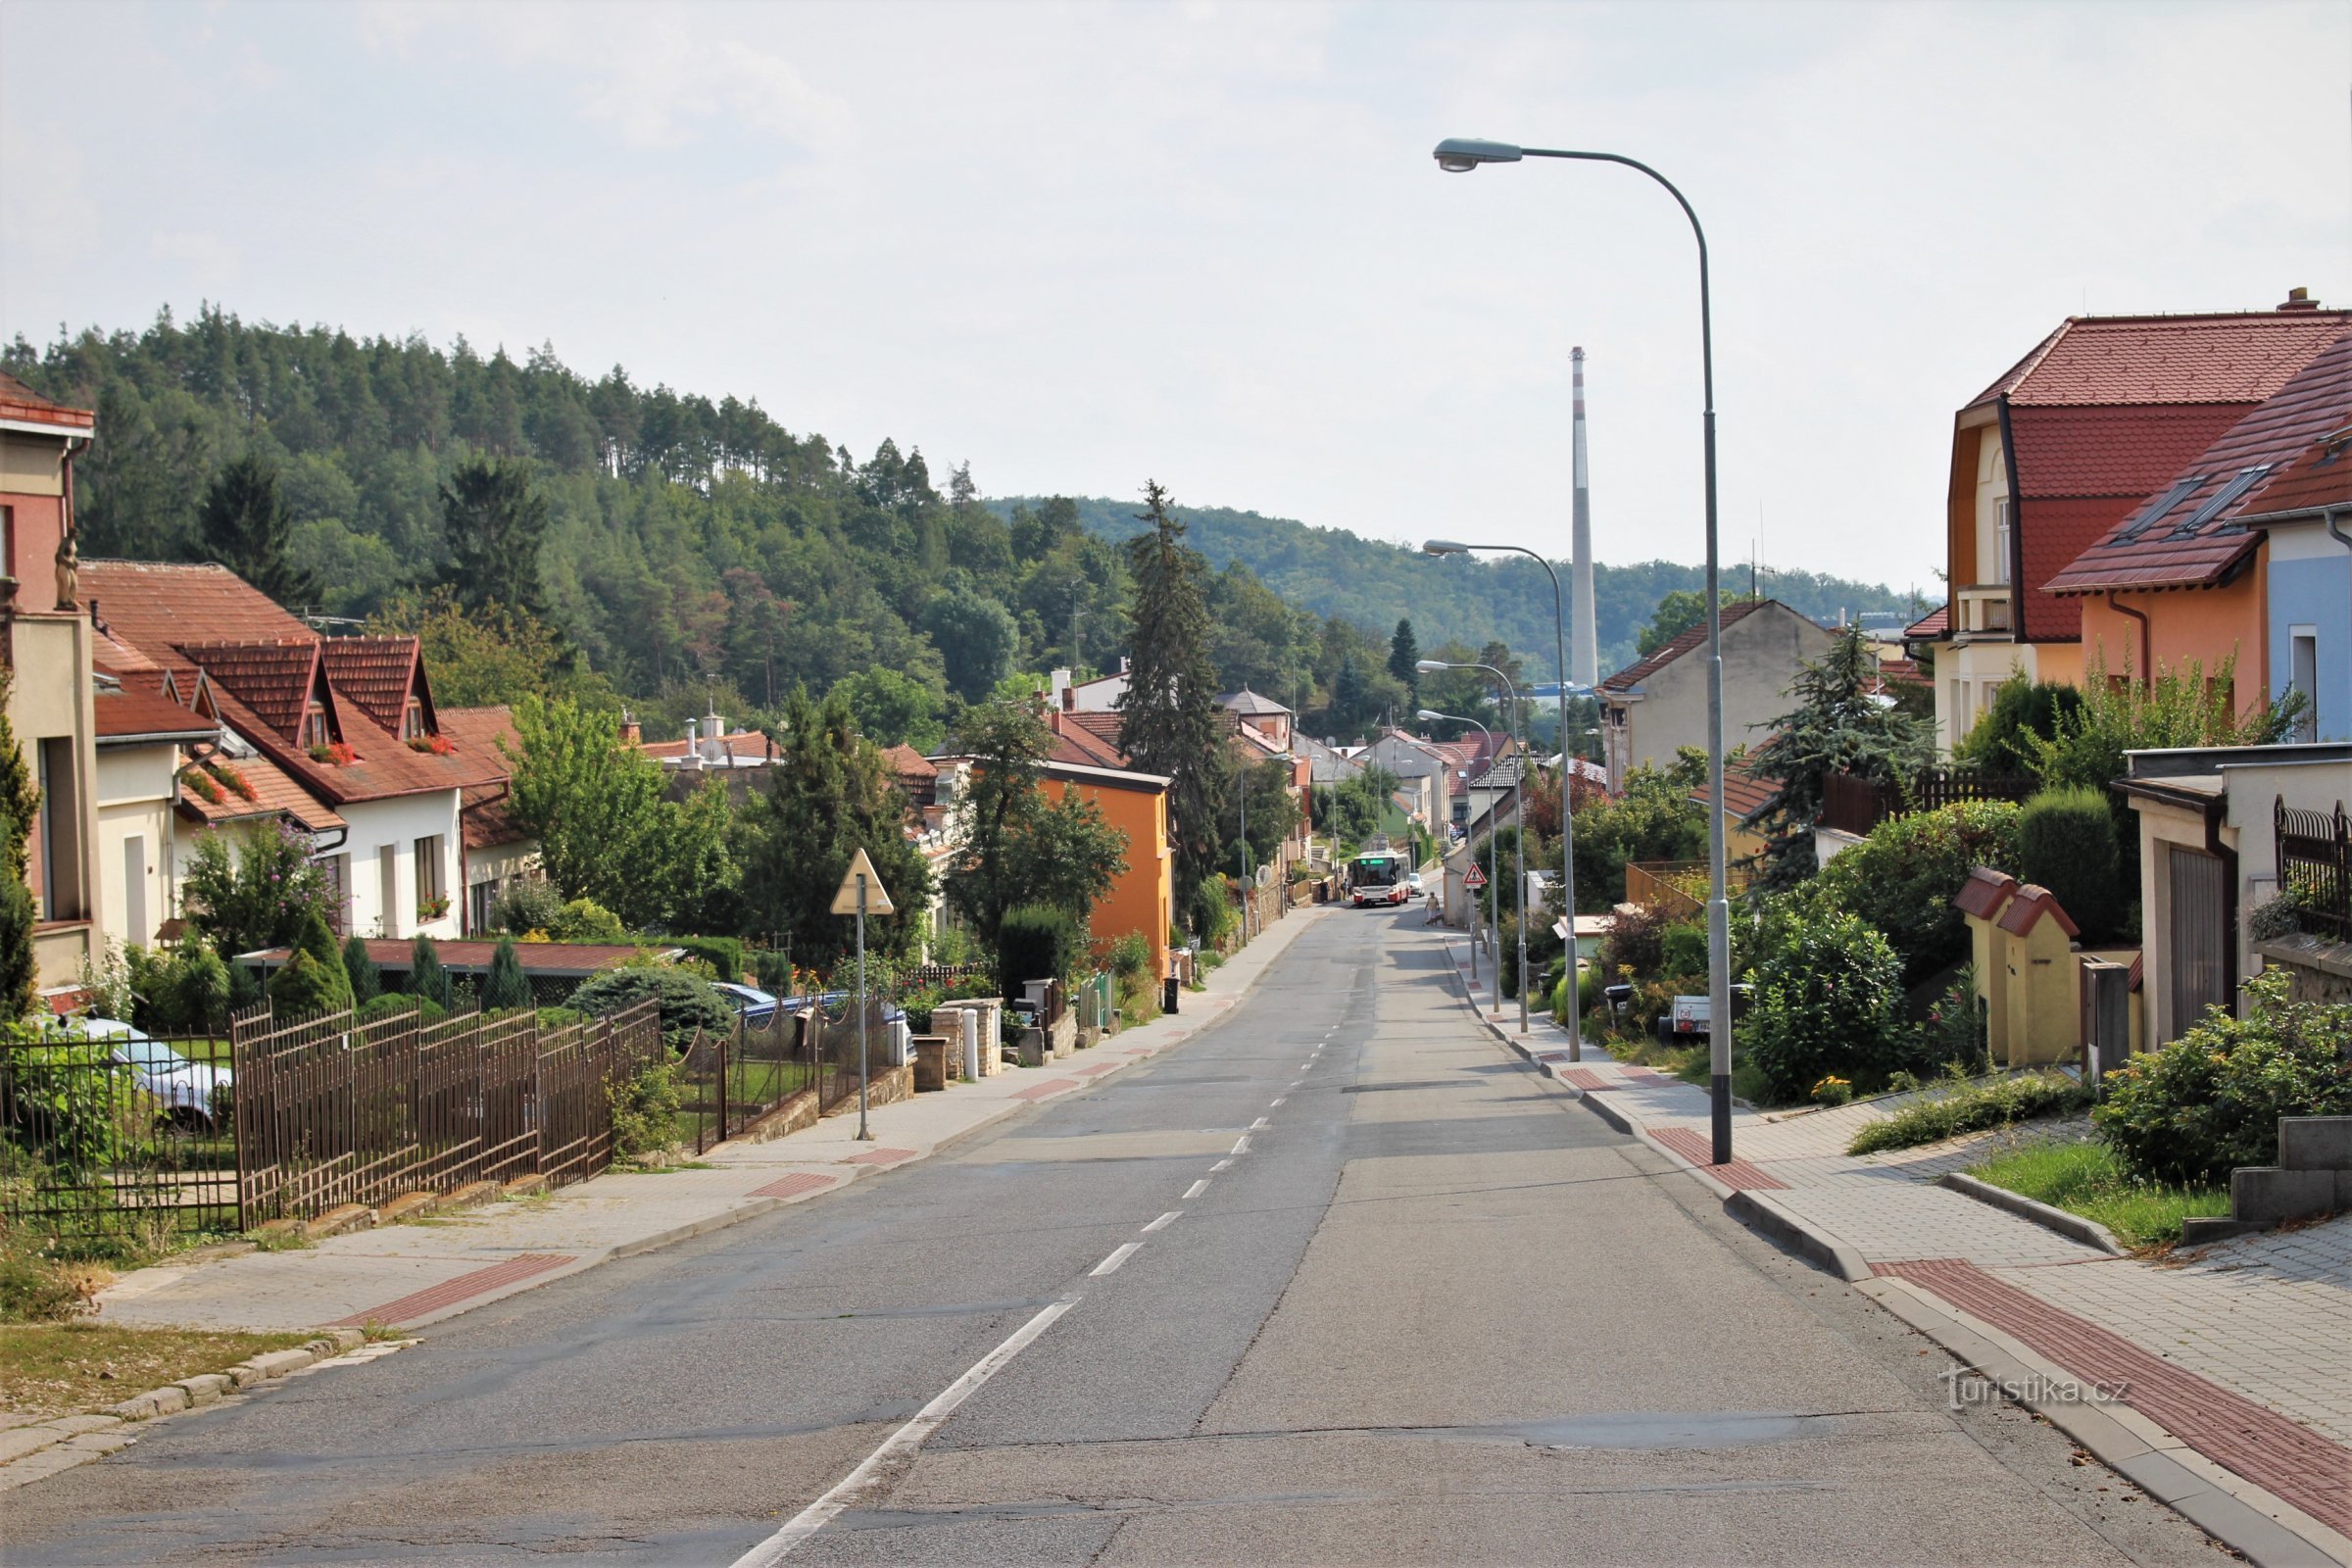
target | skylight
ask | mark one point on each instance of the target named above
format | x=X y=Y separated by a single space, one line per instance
x=2154 y=511
x=2228 y=495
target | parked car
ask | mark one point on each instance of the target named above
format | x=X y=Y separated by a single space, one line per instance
x=755 y=1007
x=1414 y=884
x=191 y=1096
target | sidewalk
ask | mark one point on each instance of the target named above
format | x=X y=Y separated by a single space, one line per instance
x=2220 y=1380
x=415 y=1273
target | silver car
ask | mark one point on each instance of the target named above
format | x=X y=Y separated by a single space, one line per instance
x=192 y=1096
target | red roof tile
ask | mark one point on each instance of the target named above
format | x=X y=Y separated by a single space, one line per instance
x=1934 y=624
x=476 y=732
x=151 y=605
x=123 y=715
x=1984 y=891
x=376 y=673
x=1635 y=674
x=908 y=762
x=275 y=680
x=1087 y=740
x=21 y=402
x=1744 y=793
x=2151 y=548
x=274 y=794
x=2026 y=908
x=2121 y=452
x=2233 y=357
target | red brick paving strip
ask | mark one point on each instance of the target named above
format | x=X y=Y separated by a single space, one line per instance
x=794 y=1185
x=1588 y=1080
x=449 y=1292
x=878 y=1156
x=1738 y=1175
x=2289 y=1460
x=1099 y=1066
x=1052 y=1086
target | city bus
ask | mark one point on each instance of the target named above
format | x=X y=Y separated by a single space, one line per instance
x=1380 y=875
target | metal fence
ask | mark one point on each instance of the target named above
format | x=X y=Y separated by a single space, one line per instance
x=129 y=1140
x=1851 y=804
x=1678 y=889
x=2315 y=862
x=730 y=1079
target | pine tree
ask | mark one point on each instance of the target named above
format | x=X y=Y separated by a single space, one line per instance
x=1405 y=653
x=1836 y=728
x=246 y=525
x=505 y=988
x=366 y=980
x=426 y=978
x=1169 y=721
x=495 y=523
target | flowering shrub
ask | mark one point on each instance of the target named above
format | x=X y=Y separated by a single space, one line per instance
x=337 y=754
x=433 y=907
x=233 y=780
x=2211 y=1101
x=200 y=784
x=438 y=745
x=1833 y=1091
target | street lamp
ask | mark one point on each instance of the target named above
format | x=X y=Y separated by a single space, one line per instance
x=1426 y=715
x=1460 y=156
x=1559 y=632
x=1518 y=838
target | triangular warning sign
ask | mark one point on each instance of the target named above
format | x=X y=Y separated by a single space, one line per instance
x=1476 y=878
x=877 y=902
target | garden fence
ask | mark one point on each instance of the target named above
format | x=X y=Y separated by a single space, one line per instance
x=2315 y=864
x=1851 y=804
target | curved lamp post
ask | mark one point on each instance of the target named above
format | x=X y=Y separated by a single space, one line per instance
x=1426 y=715
x=1559 y=632
x=1460 y=156
x=1510 y=694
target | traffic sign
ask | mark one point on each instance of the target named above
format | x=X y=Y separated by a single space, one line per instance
x=877 y=902
x=1476 y=878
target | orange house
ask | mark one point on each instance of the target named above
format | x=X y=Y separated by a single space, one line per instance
x=2180 y=579
x=1143 y=900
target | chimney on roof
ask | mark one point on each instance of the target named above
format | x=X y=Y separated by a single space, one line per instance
x=694 y=745
x=2298 y=299
x=715 y=738
x=632 y=733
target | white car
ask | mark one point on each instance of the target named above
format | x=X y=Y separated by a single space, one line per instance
x=1414 y=884
x=193 y=1094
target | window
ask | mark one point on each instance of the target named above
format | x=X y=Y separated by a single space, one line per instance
x=412 y=720
x=314 y=727
x=387 y=877
x=432 y=893
x=60 y=836
x=2303 y=676
x=2004 y=512
x=337 y=870
x=8 y=541
x=134 y=889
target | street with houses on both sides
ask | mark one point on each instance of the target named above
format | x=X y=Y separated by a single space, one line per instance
x=1338 y=1275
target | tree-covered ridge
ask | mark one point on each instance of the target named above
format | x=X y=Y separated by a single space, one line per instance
x=1331 y=571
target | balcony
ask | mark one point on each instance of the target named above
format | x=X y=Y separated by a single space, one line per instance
x=1981 y=614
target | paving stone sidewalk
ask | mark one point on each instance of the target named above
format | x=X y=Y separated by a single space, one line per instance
x=415 y=1273
x=2238 y=1354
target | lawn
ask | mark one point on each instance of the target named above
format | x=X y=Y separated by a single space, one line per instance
x=53 y=1369
x=2087 y=1179
x=1970 y=1105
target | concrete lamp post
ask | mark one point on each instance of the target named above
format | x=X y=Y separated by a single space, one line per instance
x=1559 y=631
x=1428 y=715
x=1510 y=696
x=1461 y=156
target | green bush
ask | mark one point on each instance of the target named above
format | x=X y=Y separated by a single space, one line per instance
x=644 y=1110
x=724 y=955
x=506 y=988
x=316 y=941
x=530 y=904
x=1130 y=955
x=1683 y=948
x=1970 y=1108
x=1902 y=878
x=2210 y=1102
x=17 y=968
x=392 y=1004
x=1953 y=1033
x=2020 y=707
x=561 y=1018
x=1036 y=942
x=1212 y=911
x=1825 y=1002
x=771 y=970
x=687 y=1002
x=2066 y=842
x=306 y=988
x=1635 y=945
x=367 y=981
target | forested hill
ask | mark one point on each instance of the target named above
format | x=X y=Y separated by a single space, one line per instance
x=1334 y=572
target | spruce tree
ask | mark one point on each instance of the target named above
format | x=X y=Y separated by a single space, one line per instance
x=1169 y=721
x=20 y=803
x=246 y=525
x=495 y=523
x=1837 y=727
x=366 y=980
x=1405 y=653
x=505 y=988
x=426 y=978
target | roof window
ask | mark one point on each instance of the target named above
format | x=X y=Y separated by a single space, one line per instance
x=2154 y=511
x=2225 y=497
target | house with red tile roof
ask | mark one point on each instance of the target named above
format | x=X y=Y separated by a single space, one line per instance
x=349 y=723
x=1656 y=706
x=46 y=646
x=2182 y=581
x=2070 y=442
x=496 y=853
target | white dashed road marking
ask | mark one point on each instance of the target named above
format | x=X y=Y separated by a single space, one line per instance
x=1163 y=1220
x=1196 y=1189
x=1119 y=1255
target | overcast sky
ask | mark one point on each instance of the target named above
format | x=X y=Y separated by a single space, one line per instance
x=1084 y=245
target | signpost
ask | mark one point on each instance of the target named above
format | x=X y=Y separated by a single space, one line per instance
x=1472 y=881
x=861 y=893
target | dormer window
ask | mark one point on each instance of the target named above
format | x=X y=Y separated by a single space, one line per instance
x=314 y=727
x=412 y=720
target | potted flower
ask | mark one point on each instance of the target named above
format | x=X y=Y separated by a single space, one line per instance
x=433 y=908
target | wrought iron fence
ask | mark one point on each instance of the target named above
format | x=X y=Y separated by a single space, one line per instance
x=2315 y=864
x=119 y=1138
x=731 y=1078
x=129 y=1137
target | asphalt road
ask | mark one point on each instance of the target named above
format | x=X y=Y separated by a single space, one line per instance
x=1432 y=1310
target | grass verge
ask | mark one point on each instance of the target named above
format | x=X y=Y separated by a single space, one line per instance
x=2087 y=1179
x=54 y=1369
x=1971 y=1107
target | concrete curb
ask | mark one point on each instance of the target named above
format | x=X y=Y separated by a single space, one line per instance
x=1759 y=1212
x=2074 y=1227
x=2243 y=1516
x=34 y=1453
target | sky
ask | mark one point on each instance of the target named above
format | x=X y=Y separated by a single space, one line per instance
x=1080 y=245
